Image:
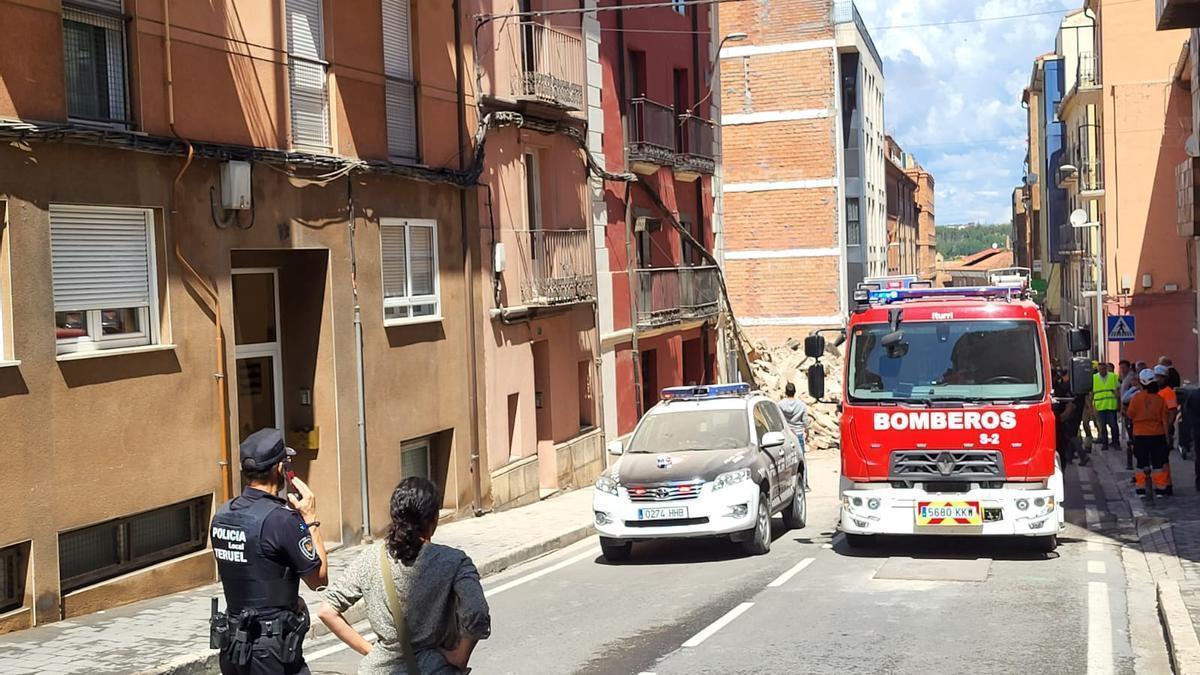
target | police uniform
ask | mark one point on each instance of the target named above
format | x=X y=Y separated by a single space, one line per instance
x=263 y=548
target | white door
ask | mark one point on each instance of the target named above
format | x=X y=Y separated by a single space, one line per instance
x=258 y=350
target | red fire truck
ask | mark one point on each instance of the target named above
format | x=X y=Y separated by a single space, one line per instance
x=947 y=424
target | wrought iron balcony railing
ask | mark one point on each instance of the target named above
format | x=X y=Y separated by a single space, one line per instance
x=556 y=267
x=674 y=294
x=651 y=132
x=696 y=145
x=550 y=67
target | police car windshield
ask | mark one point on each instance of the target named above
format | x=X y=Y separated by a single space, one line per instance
x=989 y=360
x=692 y=430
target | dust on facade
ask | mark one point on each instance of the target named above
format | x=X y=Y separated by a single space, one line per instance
x=469 y=240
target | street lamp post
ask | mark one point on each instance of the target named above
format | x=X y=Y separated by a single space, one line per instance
x=712 y=68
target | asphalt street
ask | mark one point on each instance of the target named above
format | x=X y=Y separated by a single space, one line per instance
x=944 y=605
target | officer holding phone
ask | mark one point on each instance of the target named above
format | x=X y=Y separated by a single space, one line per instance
x=265 y=541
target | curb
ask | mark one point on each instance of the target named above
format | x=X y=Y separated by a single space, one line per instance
x=205 y=662
x=1182 y=643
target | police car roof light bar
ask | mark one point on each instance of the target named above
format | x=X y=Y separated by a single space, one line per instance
x=705 y=392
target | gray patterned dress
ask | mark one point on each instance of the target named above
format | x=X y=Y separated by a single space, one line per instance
x=428 y=590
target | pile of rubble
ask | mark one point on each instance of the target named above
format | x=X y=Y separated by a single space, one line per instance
x=774 y=367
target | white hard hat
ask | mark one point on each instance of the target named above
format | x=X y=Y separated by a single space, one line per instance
x=1162 y=370
x=1146 y=376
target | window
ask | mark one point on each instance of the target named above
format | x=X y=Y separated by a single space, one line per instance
x=400 y=90
x=14 y=566
x=94 y=55
x=308 y=93
x=853 y=230
x=415 y=459
x=103 y=551
x=410 y=270
x=105 y=281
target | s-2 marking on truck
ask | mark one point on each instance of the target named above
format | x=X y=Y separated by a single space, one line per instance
x=947 y=424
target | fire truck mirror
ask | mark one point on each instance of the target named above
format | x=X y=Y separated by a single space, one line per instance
x=1080 y=340
x=814 y=346
x=1081 y=375
x=816 y=380
x=894 y=344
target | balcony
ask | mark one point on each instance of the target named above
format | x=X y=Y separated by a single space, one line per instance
x=1173 y=14
x=651 y=136
x=1187 y=184
x=556 y=267
x=1085 y=89
x=696 y=144
x=1069 y=240
x=673 y=295
x=534 y=67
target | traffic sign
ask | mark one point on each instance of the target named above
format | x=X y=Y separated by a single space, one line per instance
x=1121 y=328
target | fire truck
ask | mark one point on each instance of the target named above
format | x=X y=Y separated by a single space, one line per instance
x=947 y=424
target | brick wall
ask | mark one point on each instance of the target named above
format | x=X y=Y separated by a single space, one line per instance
x=773 y=151
x=786 y=81
x=781 y=219
x=783 y=287
x=778 y=21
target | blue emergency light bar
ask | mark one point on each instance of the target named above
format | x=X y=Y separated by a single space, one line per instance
x=887 y=297
x=705 y=392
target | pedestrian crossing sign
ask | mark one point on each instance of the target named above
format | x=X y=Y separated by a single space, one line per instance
x=1121 y=328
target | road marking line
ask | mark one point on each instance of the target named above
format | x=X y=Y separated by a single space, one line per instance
x=1096 y=567
x=590 y=553
x=1100 y=648
x=1093 y=517
x=717 y=625
x=335 y=648
x=783 y=578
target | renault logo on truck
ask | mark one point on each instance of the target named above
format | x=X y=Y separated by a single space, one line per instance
x=968 y=420
x=945 y=463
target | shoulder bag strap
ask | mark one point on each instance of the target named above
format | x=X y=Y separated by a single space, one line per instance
x=389 y=587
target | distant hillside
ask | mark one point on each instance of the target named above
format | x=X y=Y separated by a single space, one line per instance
x=958 y=241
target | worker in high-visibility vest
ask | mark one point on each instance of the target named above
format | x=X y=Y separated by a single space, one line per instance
x=1104 y=398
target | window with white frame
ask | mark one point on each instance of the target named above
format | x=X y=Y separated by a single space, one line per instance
x=104 y=277
x=94 y=60
x=308 y=91
x=400 y=89
x=410 y=270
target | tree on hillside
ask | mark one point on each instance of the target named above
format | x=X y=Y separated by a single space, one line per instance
x=956 y=242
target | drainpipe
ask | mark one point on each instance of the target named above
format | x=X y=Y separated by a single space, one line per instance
x=468 y=269
x=631 y=268
x=359 y=370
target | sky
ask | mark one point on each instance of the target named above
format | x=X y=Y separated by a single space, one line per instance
x=953 y=95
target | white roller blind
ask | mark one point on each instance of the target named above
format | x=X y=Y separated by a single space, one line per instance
x=113 y=6
x=307 y=83
x=399 y=90
x=100 y=257
x=395 y=263
x=420 y=240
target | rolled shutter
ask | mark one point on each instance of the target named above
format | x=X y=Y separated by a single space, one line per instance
x=113 y=6
x=395 y=264
x=399 y=90
x=100 y=257
x=307 y=83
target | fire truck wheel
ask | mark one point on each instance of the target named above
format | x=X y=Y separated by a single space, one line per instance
x=759 y=542
x=796 y=513
x=1046 y=544
x=615 y=550
x=860 y=540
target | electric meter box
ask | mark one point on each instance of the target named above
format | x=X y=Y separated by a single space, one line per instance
x=235 y=185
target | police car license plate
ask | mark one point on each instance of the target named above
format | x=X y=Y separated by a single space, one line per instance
x=949 y=514
x=663 y=513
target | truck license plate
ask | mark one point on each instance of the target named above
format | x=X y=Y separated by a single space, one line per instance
x=663 y=513
x=949 y=513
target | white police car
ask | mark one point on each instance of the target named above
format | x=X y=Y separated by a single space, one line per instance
x=706 y=461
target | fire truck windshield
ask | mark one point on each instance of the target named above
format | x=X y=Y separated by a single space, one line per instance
x=986 y=360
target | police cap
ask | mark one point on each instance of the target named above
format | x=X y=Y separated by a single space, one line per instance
x=264 y=449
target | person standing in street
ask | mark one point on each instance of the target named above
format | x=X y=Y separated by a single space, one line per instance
x=1174 y=381
x=1148 y=411
x=795 y=412
x=1162 y=376
x=1104 y=399
x=265 y=541
x=424 y=600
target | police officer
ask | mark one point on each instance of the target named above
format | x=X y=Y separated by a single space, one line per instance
x=263 y=549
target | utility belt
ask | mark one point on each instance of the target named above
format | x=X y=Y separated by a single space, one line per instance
x=238 y=635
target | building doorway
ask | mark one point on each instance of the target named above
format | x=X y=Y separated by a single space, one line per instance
x=649 y=360
x=258 y=350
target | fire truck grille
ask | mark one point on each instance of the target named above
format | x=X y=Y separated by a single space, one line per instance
x=946 y=465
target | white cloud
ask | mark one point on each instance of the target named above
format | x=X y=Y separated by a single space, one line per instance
x=954 y=91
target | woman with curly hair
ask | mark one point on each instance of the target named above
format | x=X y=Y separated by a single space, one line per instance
x=434 y=589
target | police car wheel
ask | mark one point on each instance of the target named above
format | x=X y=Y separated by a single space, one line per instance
x=759 y=543
x=796 y=513
x=1046 y=544
x=615 y=550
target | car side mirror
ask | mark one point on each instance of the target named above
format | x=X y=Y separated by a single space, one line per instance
x=814 y=346
x=1079 y=340
x=616 y=448
x=1081 y=375
x=772 y=439
x=816 y=381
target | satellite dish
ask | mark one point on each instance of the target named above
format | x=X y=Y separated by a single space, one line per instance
x=1192 y=147
x=1079 y=218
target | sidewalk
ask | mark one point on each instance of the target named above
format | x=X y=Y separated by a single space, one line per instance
x=169 y=635
x=1169 y=536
